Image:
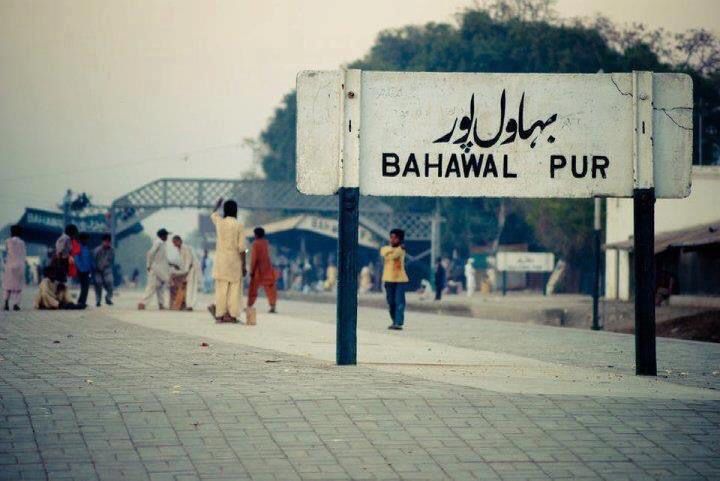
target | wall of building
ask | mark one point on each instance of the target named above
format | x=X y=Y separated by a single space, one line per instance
x=701 y=207
x=699 y=271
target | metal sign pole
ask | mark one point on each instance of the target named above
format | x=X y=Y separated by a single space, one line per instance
x=644 y=212
x=346 y=347
x=644 y=225
x=348 y=222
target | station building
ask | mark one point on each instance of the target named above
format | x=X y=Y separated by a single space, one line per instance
x=687 y=241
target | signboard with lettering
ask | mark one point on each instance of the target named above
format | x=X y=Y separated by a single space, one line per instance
x=497 y=135
x=525 y=261
x=329 y=227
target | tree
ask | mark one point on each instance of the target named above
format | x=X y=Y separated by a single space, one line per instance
x=279 y=139
x=523 y=36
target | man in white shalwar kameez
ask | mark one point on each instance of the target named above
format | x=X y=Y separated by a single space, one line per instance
x=471 y=284
x=158 y=271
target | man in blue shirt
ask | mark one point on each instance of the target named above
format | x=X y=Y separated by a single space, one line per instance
x=84 y=265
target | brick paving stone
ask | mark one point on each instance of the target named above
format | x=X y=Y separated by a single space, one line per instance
x=121 y=402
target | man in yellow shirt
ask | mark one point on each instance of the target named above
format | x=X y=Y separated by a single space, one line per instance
x=395 y=277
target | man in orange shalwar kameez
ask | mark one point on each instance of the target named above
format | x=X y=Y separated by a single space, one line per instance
x=262 y=273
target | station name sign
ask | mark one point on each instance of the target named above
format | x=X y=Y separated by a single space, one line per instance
x=490 y=135
x=525 y=261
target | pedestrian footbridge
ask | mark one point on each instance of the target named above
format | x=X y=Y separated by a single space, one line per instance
x=125 y=213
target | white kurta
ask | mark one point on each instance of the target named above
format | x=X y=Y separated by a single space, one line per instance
x=193 y=280
x=229 y=247
x=157 y=261
x=158 y=273
x=227 y=269
x=14 y=275
x=470 y=279
x=48 y=296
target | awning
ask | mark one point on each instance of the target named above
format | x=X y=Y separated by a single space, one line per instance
x=318 y=225
x=45 y=226
x=690 y=237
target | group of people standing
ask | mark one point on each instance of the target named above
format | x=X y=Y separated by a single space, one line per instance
x=442 y=281
x=228 y=271
x=178 y=273
x=230 y=266
x=72 y=258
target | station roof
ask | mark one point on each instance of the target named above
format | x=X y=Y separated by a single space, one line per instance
x=318 y=225
x=696 y=236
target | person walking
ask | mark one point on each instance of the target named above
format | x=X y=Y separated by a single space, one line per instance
x=395 y=277
x=84 y=267
x=229 y=266
x=158 y=270
x=262 y=273
x=13 y=279
x=104 y=259
x=440 y=278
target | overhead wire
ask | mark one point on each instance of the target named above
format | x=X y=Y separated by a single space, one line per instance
x=185 y=156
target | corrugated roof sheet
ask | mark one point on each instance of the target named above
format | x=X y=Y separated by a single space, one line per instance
x=690 y=237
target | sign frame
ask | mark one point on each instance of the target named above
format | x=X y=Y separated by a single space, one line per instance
x=548 y=135
x=512 y=261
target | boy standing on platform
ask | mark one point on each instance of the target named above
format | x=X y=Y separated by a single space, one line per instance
x=395 y=277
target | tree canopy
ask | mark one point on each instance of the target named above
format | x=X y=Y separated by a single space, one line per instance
x=524 y=36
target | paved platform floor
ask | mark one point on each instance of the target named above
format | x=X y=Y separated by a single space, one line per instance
x=117 y=394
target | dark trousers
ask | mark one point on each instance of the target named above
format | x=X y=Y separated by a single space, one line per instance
x=438 y=290
x=84 y=279
x=395 y=294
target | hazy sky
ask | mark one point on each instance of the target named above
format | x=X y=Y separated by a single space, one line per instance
x=104 y=96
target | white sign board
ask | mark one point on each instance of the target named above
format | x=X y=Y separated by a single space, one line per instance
x=329 y=227
x=319 y=225
x=494 y=135
x=525 y=261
